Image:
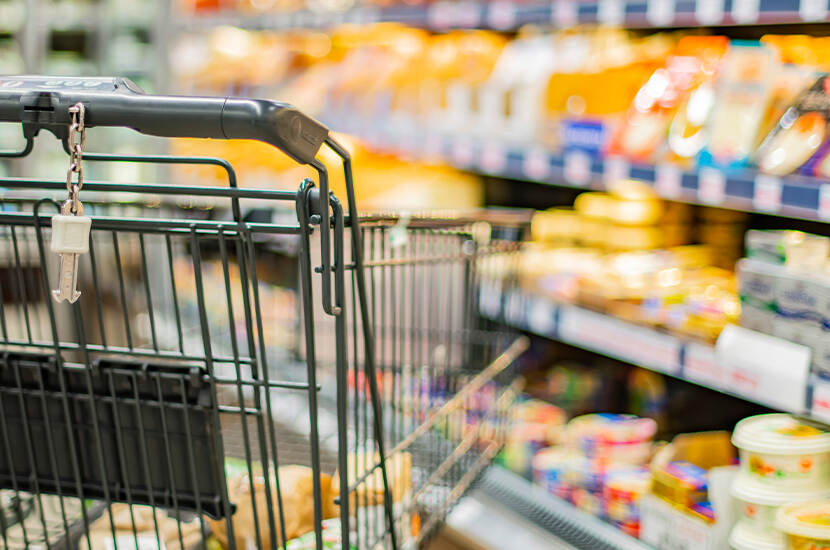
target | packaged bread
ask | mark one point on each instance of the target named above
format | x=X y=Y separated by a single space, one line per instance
x=136 y=527
x=296 y=489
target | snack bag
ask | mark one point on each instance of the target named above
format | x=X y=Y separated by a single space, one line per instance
x=798 y=137
x=647 y=121
x=744 y=90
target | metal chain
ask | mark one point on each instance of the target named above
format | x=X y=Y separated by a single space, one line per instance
x=77 y=141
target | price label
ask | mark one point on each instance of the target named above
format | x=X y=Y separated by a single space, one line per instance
x=577 y=168
x=813 y=10
x=368 y=15
x=541 y=318
x=668 y=181
x=820 y=407
x=660 y=13
x=611 y=12
x=514 y=309
x=711 y=185
x=824 y=201
x=663 y=526
x=616 y=338
x=305 y=19
x=440 y=14
x=766 y=369
x=615 y=169
x=501 y=15
x=536 y=164
x=565 y=13
x=702 y=367
x=493 y=158
x=319 y=19
x=405 y=142
x=433 y=145
x=709 y=12
x=767 y=196
x=467 y=14
x=462 y=152
x=745 y=12
x=490 y=301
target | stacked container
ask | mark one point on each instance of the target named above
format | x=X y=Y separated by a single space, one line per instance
x=784 y=461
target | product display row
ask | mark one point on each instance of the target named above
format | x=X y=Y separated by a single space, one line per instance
x=500 y=15
x=766 y=488
x=481 y=110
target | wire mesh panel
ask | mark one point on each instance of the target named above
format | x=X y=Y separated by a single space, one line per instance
x=444 y=379
x=182 y=402
x=153 y=393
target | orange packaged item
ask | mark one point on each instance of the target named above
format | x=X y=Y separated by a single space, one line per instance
x=648 y=119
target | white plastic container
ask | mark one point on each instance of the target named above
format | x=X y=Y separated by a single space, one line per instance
x=744 y=537
x=806 y=526
x=783 y=451
x=612 y=438
x=758 y=503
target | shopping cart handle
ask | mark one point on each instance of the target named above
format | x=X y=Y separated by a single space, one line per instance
x=43 y=102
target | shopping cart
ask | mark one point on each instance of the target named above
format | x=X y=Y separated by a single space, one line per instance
x=143 y=401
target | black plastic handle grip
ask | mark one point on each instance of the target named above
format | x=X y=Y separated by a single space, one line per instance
x=40 y=102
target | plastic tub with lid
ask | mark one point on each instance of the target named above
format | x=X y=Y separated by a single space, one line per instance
x=781 y=450
x=613 y=437
x=759 y=502
x=806 y=526
x=622 y=492
x=550 y=466
x=744 y=537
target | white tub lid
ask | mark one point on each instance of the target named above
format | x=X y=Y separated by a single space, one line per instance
x=743 y=537
x=780 y=434
x=794 y=519
x=749 y=489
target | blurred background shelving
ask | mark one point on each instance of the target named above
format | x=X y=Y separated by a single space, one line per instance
x=458 y=105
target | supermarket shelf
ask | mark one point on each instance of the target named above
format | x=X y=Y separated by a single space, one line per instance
x=662 y=352
x=578 y=529
x=791 y=196
x=506 y=15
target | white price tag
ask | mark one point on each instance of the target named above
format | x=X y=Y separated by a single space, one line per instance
x=319 y=19
x=664 y=526
x=701 y=366
x=440 y=14
x=578 y=168
x=369 y=14
x=501 y=15
x=745 y=12
x=611 y=12
x=711 y=185
x=467 y=14
x=616 y=338
x=766 y=369
x=824 y=201
x=812 y=10
x=565 y=13
x=767 y=195
x=462 y=152
x=536 y=163
x=615 y=169
x=490 y=300
x=541 y=318
x=514 y=309
x=668 y=181
x=660 y=13
x=433 y=145
x=820 y=406
x=709 y=12
x=493 y=157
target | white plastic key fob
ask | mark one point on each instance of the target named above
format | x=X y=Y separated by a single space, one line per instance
x=70 y=234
